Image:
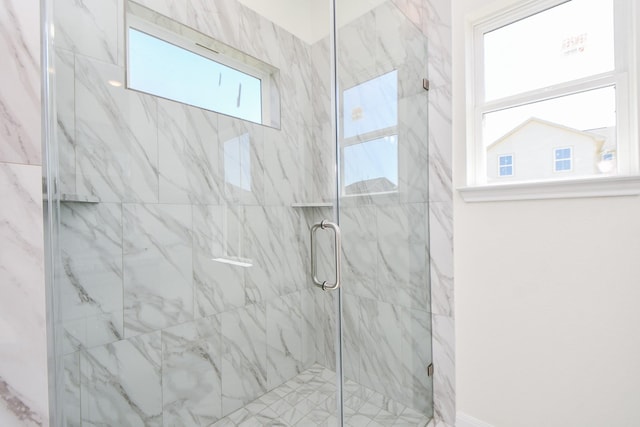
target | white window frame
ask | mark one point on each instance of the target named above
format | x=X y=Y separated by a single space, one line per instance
x=624 y=78
x=513 y=170
x=555 y=160
x=168 y=36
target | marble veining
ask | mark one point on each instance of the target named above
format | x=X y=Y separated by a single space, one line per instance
x=157 y=253
x=120 y=382
x=20 y=83
x=23 y=351
x=116 y=136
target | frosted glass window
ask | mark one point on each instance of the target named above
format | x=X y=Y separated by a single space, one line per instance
x=564 y=43
x=371 y=106
x=371 y=166
x=163 y=69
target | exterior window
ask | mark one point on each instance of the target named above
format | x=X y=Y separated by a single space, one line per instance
x=370 y=136
x=177 y=63
x=506 y=165
x=552 y=72
x=562 y=159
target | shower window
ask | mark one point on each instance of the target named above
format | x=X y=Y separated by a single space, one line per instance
x=370 y=136
x=174 y=62
x=551 y=74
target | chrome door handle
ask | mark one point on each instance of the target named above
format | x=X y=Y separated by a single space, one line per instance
x=338 y=253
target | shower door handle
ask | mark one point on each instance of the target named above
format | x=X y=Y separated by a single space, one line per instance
x=324 y=225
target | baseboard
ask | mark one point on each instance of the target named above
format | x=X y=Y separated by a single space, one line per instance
x=464 y=420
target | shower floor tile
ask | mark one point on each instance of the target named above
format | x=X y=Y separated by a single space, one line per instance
x=309 y=400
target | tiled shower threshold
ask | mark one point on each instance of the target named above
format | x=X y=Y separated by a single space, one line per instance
x=309 y=399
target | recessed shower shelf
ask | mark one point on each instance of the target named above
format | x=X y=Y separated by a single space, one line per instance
x=312 y=205
x=77 y=198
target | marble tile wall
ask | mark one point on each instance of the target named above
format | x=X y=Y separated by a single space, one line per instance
x=23 y=331
x=155 y=331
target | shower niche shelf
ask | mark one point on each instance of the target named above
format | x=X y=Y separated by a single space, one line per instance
x=303 y=205
x=76 y=198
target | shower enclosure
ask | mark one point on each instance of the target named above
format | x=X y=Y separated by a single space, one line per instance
x=214 y=266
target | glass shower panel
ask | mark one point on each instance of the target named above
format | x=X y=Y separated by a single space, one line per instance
x=383 y=148
x=183 y=294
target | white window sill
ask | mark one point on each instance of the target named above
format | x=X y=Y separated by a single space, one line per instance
x=589 y=187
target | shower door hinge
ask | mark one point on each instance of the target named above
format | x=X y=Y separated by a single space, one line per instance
x=430 y=370
x=425 y=84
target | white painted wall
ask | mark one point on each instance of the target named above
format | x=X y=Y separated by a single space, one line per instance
x=547 y=300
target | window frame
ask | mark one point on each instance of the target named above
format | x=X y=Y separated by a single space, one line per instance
x=512 y=165
x=556 y=160
x=168 y=36
x=623 y=78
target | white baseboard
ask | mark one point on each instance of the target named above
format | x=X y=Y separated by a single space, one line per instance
x=464 y=420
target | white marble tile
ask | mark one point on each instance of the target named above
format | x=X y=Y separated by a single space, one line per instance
x=400 y=45
x=23 y=342
x=20 y=82
x=416 y=357
x=244 y=369
x=191 y=373
x=66 y=129
x=158 y=267
x=92 y=330
x=359 y=250
x=283 y=170
x=219 y=20
x=412 y=9
x=71 y=400
x=444 y=363
x=310 y=327
x=357 y=50
x=440 y=224
x=217 y=233
x=259 y=37
x=353 y=344
x=264 y=245
x=116 y=136
x=413 y=148
x=91 y=256
x=121 y=383
x=88 y=27
x=188 y=154
x=241 y=161
x=402 y=268
x=380 y=347
x=178 y=11
x=437 y=22
x=284 y=339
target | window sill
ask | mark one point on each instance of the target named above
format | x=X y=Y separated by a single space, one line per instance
x=588 y=187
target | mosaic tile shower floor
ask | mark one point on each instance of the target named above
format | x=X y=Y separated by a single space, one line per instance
x=309 y=399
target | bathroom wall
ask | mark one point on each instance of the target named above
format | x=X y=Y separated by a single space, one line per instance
x=546 y=299
x=23 y=333
x=155 y=331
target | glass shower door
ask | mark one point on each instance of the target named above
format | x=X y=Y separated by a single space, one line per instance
x=383 y=213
